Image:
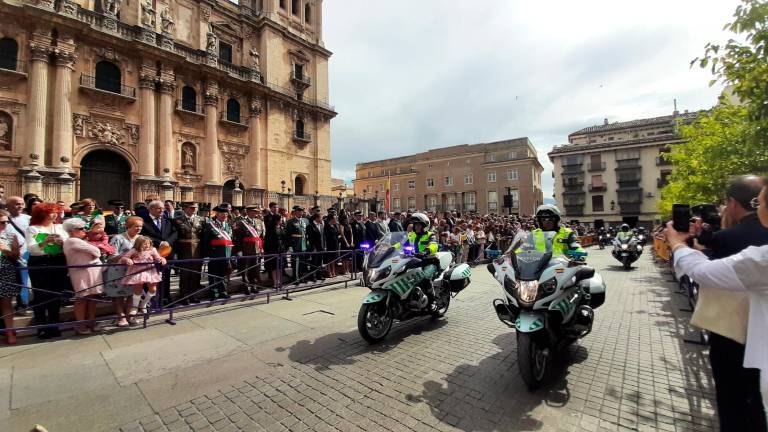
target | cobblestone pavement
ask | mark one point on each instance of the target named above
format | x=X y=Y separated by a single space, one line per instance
x=634 y=372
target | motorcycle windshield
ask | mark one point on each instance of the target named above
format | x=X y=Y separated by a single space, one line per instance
x=528 y=260
x=386 y=248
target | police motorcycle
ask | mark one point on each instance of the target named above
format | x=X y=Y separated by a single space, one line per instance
x=627 y=250
x=642 y=236
x=402 y=288
x=548 y=300
x=603 y=238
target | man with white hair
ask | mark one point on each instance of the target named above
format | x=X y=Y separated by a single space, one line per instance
x=163 y=233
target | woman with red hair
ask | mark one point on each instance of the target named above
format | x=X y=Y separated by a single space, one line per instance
x=44 y=242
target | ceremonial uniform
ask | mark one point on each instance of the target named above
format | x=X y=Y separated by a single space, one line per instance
x=115 y=224
x=296 y=239
x=248 y=235
x=188 y=247
x=217 y=243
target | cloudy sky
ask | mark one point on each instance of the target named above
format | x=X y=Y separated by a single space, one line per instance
x=411 y=75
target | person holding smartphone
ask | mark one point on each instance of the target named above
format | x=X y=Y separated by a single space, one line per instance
x=740 y=371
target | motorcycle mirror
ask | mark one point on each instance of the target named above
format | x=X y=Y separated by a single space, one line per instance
x=585 y=272
x=491 y=269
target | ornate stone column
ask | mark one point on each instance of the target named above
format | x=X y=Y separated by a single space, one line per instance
x=212 y=168
x=253 y=167
x=39 y=50
x=62 y=108
x=166 y=144
x=147 y=80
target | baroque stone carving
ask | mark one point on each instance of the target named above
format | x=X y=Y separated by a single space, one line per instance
x=78 y=124
x=111 y=7
x=109 y=54
x=6 y=126
x=188 y=154
x=147 y=14
x=166 y=21
x=68 y=7
x=256 y=106
x=106 y=133
x=254 y=59
x=234 y=148
x=206 y=14
x=211 y=40
x=232 y=164
x=134 y=131
x=11 y=106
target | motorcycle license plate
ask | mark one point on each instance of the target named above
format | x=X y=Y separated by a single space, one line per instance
x=625 y=254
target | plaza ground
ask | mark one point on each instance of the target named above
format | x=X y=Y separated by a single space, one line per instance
x=301 y=365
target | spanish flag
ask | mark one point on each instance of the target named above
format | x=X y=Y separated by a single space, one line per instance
x=389 y=188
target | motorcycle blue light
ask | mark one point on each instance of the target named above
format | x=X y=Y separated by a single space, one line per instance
x=408 y=248
x=365 y=246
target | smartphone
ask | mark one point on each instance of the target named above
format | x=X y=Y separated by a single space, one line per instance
x=681 y=217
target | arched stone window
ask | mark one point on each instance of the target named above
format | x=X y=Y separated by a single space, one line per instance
x=9 y=53
x=6 y=131
x=298 y=185
x=188 y=99
x=108 y=76
x=308 y=13
x=233 y=110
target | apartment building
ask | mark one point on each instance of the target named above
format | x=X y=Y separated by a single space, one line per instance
x=612 y=173
x=467 y=177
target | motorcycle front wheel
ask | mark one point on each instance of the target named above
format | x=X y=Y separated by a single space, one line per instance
x=374 y=321
x=533 y=359
x=443 y=300
x=627 y=263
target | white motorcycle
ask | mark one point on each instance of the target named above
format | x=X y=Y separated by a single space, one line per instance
x=405 y=285
x=549 y=301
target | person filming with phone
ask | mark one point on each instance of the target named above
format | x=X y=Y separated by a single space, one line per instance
x=730 y=284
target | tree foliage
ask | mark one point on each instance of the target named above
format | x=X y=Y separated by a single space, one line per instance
x=730 y=139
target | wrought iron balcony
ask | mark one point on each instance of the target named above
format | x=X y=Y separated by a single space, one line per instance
x=13 y=65
x=233 y=118
x=302 y=81
x=596 y=167
x=597 y=188
x=628 y=208
x=660 y=183
x=109 y=86
x=302 y=136
x=573 y=169
x=662 y=161
x=190 y=107
x=574 y=209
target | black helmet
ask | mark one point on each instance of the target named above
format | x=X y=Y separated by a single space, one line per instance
x=624 y=227
x=419 y=218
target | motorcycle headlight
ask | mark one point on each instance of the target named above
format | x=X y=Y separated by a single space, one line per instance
x=624 y=247
x=549 y=286
x=527 y=290
x=378 y=274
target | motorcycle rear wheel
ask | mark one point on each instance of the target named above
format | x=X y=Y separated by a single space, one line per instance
x=444 y=300
x=533 y=360
x=374 y=321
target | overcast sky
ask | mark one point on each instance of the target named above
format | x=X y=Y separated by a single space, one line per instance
x=411 y=75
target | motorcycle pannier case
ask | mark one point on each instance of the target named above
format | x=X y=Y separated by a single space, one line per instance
x=457 y=277
x=596 y=288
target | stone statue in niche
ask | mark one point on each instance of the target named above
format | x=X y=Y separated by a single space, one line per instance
x=77 y=125
x=211 y=40
x=111 y=7
x=5 y=134
x=147 y=14
x=254 y=58
x=166 y=22
x=188 y=152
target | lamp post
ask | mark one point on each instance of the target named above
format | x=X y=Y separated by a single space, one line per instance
x=365 y=201
x=340 y=201
x=282 y=194
x=376 y=201
x=613 y=205
x=316 y=196
x=354 y=200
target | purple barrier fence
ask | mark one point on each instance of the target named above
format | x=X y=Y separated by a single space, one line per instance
x=301 y=261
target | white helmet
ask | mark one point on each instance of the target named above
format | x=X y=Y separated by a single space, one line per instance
x=549 y=208
x=419 y=218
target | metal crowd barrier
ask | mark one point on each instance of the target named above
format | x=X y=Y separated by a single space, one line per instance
x=287 y=284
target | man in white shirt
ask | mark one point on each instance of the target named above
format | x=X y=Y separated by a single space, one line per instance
x=18 y=226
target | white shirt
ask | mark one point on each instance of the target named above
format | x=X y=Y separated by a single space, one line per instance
x=746 y=271
x=21 y=221
x=33 y=246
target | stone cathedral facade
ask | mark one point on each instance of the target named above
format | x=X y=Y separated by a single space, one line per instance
x=200 y=100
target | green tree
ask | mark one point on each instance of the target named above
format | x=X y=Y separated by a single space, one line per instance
x=731 y=139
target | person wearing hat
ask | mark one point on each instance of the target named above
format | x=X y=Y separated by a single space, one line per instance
x=235 y=215
x=217 y=243
x=115 y=223
x=248 y=234
x=190 y=226
x=296 y=236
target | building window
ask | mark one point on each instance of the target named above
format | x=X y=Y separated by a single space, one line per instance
x=493 y=202
x=396 y=204
x=411 y=184
x=298 y=184
x=396 y=187
x=429 y=165
x=430 y=183
x=307 y=14
x=9 y=53
x=411 y=203
x=451 y=202
x=298 y=71
x=432 y=201
x=490 y=157
x=515 y=194
x=597 y=203
x=492 y=177
x=233 y=110
x=449 y=181
x=512 y=155
x=300 y=133
x=512 y=174
x=225 y=52
x=469 y=198
x=628 y=154
x=468 y=179
x=282 y=4
x=381 y=187
x=295 y=7
x=188 y=99
x=108 y=77
x=597 y=181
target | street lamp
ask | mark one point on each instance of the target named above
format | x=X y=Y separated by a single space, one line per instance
x=340 y=200
x=354 y=200
x=613 y=204
x=376 y=201
x=282 y=185
x=316 y=196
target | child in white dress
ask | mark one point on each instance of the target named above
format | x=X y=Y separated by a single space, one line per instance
x=141 y=270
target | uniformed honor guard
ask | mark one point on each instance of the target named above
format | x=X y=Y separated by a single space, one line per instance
x=115 y=223
x=189 y=226
x=217 y=243
x=248 y=235
x=296 y=236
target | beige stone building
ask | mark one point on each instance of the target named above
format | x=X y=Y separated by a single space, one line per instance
x=613 y=173
x=461 y=178
x=192 y=100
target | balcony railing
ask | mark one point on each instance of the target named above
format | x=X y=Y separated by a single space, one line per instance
x=574 y=209
x=628 y=182
x=573 y=169
x=630 y=208
x=190 y=107
x=566 y=163
x=597 y=188
x=661 y=161
x=90 y=82
x=231 y=118
x=302 y=80
x=302 y=136
x=660 y=183
x=592 y=167
x=13 y=64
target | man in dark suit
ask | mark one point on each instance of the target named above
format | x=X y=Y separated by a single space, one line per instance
x=359 y=237
x=394 y=223
x=739 y=402
x=163 y=233
x=316 y=239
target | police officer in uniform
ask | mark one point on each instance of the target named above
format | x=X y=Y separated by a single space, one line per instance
x=248 y=234
x=189 y=226
x=217 y=241
x=564 y=242
x=115 y=223
x=358 y=237
x=296 y=237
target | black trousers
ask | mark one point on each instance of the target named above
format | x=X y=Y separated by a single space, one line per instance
x=739 y=403
x=316 y=265
x=218 y=273
x=46 y=305
x=299 y=266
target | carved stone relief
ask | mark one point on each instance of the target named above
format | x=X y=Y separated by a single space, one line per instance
x=106 y=132
x=232 y=164
x=134 y=131
x=188 y=159
x=78 y=124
